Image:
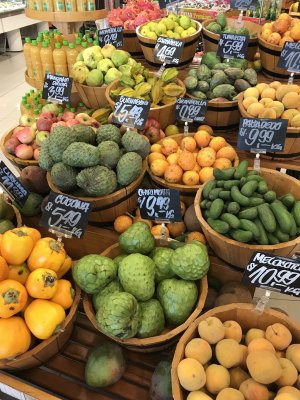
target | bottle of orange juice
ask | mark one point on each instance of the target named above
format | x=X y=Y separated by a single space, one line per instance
x=60 y=60
x=38 y=5
x=78 y=45
x=71 y=5
x=26 y=49
x=65 y=44
x=36 y=61
x=91 y=5
x=81 y=5
x=48 y=6
x=72 y=54
x=39 y=41
x=47 y=59
x=59 y=5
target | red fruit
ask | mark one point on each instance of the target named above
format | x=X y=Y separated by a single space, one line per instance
x=36 y=153
x=152 y=122
x=11 y=144
x=153 y=134
x=60 y=123
x=162 y=134
x=47 y=114
x=72 y=122
x=44 y=124
x=25 y=135
x=24 y=151
x=68 y=115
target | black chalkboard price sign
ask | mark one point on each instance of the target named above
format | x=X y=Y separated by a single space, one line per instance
x=164 y=3
x=243 y=4
x=131 y=112
x=290 y=57
x=57 y=88
x=12 y=185
x=67 y=213
x=272 y=272
x=189 y=110
x=262 y=134
x=113 y=35
x=160 y=204
x=233 y=46
x=168 y=50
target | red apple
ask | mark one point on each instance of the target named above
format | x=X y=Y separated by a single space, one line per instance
x=25 y=135
x=68 y=115
x=71 y=122
x=46 y=115
x=153 y=134
x=24 y=151
x=36 y=153
x=83 y=119
x=17 y=129
x=162 y=134
x=44 y=124
x=11 y=144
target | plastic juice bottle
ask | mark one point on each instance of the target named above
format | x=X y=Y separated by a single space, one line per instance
x=51 y=40
x=65 y=44
x=78 y=44
x=48 y=6
x=26 y=49
x=81 y=5
x=59 y=5
x=36 y=61
x=58 y=36
x=72 y=54
x=83 y=45
x=47 y=59
x=37 y=5
x=71 y=5
x=60 y=60
x=90 y=42
x=91 y=5
x=39 y=41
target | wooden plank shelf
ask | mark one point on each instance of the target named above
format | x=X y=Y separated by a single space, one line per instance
x=72 y=16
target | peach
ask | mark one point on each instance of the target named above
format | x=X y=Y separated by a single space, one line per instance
x=199 y=349
x=285 y=396
x=253 y=390
x=254 y=333
x=198 y=395
x=263 y=366
x=25 y=135
x=291 y=390
x=230 y=394
x=229 y=353
x=245 y=355
x=191 y=374
x=279 y=335
x=217 y=378
x=289 y=373
x=260 y=344
x=233 y=330
x=237 y=377
x=293 y=354
x=24 y=151
x=211 y=329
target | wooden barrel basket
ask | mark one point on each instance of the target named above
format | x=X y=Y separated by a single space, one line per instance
x=92 y=96
x=43 y=350
x=211 y=40
x=165 y=115
x=169 y=335
x=236 y=253
x=245 y=315
x=107 y=208
x=292 y=141
x=187 y=193
x=132 y=44
x=189 y=50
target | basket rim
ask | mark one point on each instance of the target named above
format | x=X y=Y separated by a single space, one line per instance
x=217 y=35
x=232 y=242
x=269 y=45
x=216 y=103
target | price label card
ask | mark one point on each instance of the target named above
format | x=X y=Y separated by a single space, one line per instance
x=57 y=88
x=233 y=46
x=243 y=4
x=262 y=134
x=160 y=204
x=164 y=3
x=271 y=272
x=189 y=110
x=66 y=212
x=113 y=35
x=290 y=57
x=12 y=185
x=131 y=112
x=168 y=50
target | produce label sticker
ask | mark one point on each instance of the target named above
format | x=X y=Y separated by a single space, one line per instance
x=189 y=110
x=168 y=51
x=160 y=204
x=132 y=112
x=290 y=57
x=67 y=213
x=12 y=185
x=262 y=134
x=233 y=46
x=271 y=272
x=57 y=88
x=250 y=5
x=113 y=35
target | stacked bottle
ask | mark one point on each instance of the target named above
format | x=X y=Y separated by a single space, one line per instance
x=71 y=53
x=47 y=59
x=27 y=55
x=36 y=61
x=60 y=60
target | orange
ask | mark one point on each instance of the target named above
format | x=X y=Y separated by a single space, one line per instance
x=206 y=157
x=217 y=143
x=274 y=38
x=222 y=163
x=195 y=236
x=190 y=178
x=186 y=160
x=158 y=167
x=4 y=270
x=19 y=273
x=122 y=223
x=173 y=158
x=155 y=148
x=173 y=174
x=155 y=156
x=202 y=138
x=295 y=32
x=176 y=228
x=188 y=143
x=205 y=128
x=227 y=152
x=169 y=146
x=205 y=174
x=159 y=230
x=266 y=34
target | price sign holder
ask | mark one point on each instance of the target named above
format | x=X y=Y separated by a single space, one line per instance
x=112 y=35
x=189 y=110
x=290 y=59
x=12 y=186
x=168 y=51
x=131 y=112
x=66 y=216
x=232 y=46
x=57 y=88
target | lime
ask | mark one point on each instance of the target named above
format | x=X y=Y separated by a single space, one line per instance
x=171 y=130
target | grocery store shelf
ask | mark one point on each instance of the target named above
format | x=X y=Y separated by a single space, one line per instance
x=66 y=16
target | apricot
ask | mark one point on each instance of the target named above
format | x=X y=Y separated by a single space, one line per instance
x=227 y=152
x=265 y=101
x=290 y=114
x=270 y=93
x=267 y=113
x=251 y=92
x=263 y=366
x=217 y=143
x=198 y=395
x=293 y=354
x=285 y=396
x=211 y=329
x=206 y=128
x=282 y=90
x=173 y=173
x=228 y=353
x=277 y=106
x=176 y=228
x=229 y=393
x=186 y=161
x=291 y=100
x=279 y=335
x=233 y=330
x=206 y=157
x=249 y=100
x=291 y=390
x=245 y=355
x=202 y=138
x=191 y=374
x=155 y=148
x=206 y=174
x=237 y=377
x=280 y=354
x=222 y=163
x=289 y=373
x=253 y=390
x=260 y=344
x=199 y=349
x=158 y=167
x=169 y=146
x=190 y=178
x=275 y=84
x=217 y=378
x=255 y=109
x=261 y=86
x=254 y=333
x=188 y=143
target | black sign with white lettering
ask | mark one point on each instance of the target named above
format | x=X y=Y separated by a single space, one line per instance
x=271 y=272
x=57 y=88
x=113 y=35
x=160 y=204
x=189 y=110
x=164 y=3
x=132 y=112
x=290 y=57
x=262 y=134
x=243 y=4
x=67 y=213
x=12 y=185
x=168 y=50
x=233 y=46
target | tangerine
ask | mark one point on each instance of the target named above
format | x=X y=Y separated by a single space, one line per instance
x=188 y=143
x=173 y=173
x=190 y=178
x=202 y=138
x=205 y=174
x=186 y=160
x=206 y=157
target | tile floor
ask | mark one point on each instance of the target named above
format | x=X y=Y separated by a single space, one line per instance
x=12 y=88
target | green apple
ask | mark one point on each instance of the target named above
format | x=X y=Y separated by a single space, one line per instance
x=191 y=30
x=184 y=34
x=160 y=28
x=170 y=34
x=179 y=29
x=176 y=35
x=185 y=22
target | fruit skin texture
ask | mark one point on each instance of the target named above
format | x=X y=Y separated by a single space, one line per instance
x=64 y=294
x=199 y=349
x=105 y=365
x=18 y=273
x=217 y=378
x=152 y=319
x=32 y=232
x=47 y=253
x=81 y=155
x=293 y=354
x=67 y=264
x=161 y=385
x=191 y=374
x=137 y=239
x=229 y=353
x=13 y=297
x=44 y=318
x=229 y=393
x=15 y=337
x=64 y=177
x=162 y=259
x=42 y=283
x=113 y=287
x=212 y=330
x=16 y=239
x=253 y=390
x=263 y=366
x=97 y=181
x=279 y=335
x=289 y=373
x=129 y=168
x=4 y=270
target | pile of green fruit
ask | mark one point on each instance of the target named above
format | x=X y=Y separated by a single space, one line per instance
x=145 y=287
x=220 y=25
x=159 y=91
x=172 y=26
x=239 y=205
x=86 y=163
x=219 y=81
x=7 y=216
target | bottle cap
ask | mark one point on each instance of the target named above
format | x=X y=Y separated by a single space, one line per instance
x=27 y=106
x=71 y=45
x=84 y=44
x=73 y=109
x=90 y=40
x=95 y=43
x=81 y=104
x=34 y=43
x=44 y=44
x=68 y=106
x=78 y=41
x=28 y=40
x=36 y=111
x=57 y=45
x=24 y=102
x=51 y=35
x=39 y=39
x=47 y=41
x=31 y=91
x=40 y=106
x=65 y=42
x=46 y=32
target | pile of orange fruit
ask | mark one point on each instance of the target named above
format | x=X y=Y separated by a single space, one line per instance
x=191 y=161
x=284 y=29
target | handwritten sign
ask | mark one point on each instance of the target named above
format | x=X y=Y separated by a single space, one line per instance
x=243 y=4
x=272 y=272
x=189 y=110
x=66 y=212
x=131 y=112
x=164 y=3
x=232 y=46
x=113 y=35
x=168 y=50
x=290 y=57
x=12 y=185
x=160 y=204
x=57 y=88
x=262 y=134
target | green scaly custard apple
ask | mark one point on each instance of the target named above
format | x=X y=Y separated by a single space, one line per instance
x=137 y=239
x=80 y=72
x=108 y=50
x=104 y=65
x=94 y=78
x=113 y=287
x=152 y=319
x=162 y=259
x=91 y=56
